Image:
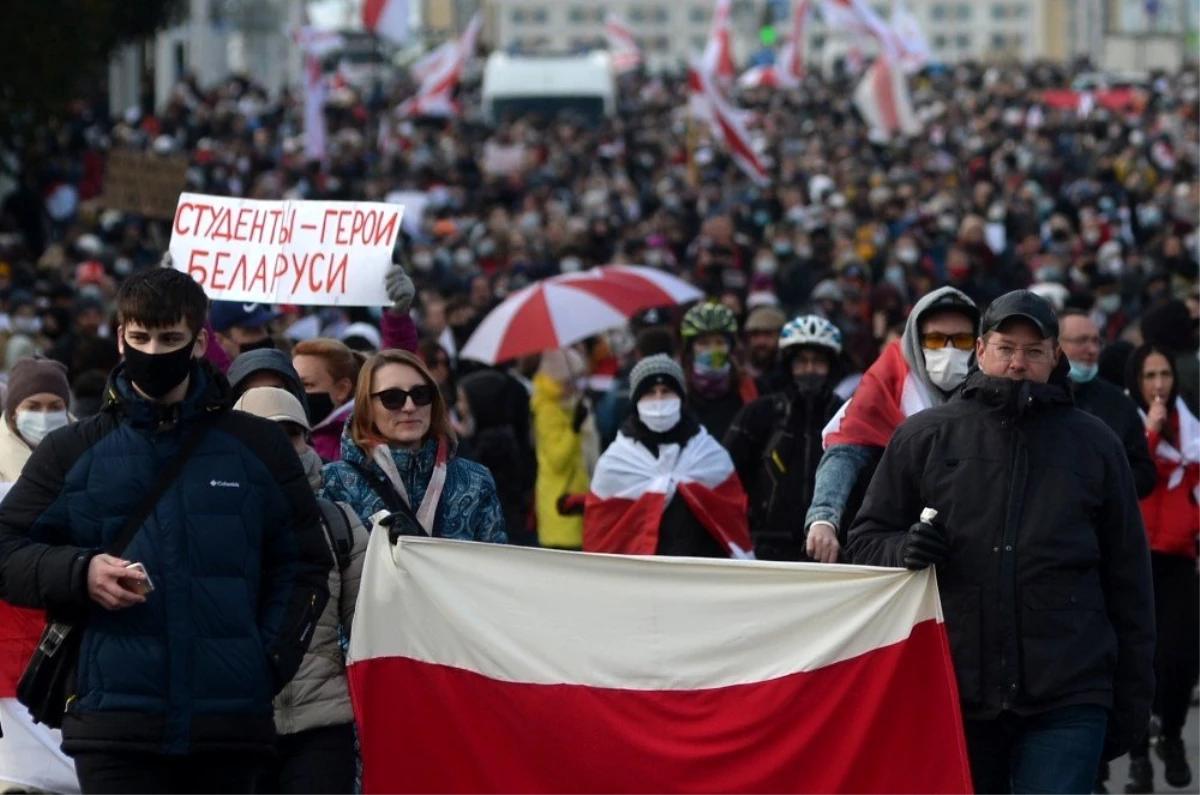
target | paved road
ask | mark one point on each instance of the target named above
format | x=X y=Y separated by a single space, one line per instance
x=1191 y=738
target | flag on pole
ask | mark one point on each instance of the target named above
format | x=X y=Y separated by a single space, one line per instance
x=883 y=100
x=859 y=19
x=486 y=668
x=729 y=125
x=718 y=52
x=624 y=53
x=435 y=96
x=427 y=64
x=790 y=66
x=911 y=45
x=315 y=44
x=387 y=19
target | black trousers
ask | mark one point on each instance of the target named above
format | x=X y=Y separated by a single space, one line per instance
x=312 y=762
x=224 y=772
x=1177 y=655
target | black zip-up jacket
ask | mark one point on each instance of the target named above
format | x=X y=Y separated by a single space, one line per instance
x=1112 y=406
x=1046 y=592
x=775 y=443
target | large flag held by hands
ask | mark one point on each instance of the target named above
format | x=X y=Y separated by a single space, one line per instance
x=484 y=668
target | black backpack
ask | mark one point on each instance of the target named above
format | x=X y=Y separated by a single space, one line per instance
x=337 y=527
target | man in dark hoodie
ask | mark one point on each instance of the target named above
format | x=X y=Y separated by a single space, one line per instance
x=921 y=370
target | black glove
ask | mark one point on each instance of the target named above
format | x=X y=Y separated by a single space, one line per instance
x=925 y=546
x=581 y=413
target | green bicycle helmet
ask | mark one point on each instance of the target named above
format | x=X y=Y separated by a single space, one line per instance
x=708 y=319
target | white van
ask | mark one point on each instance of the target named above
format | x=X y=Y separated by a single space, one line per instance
x=548 y=84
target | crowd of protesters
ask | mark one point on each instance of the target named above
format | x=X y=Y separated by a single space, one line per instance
x=858 y=289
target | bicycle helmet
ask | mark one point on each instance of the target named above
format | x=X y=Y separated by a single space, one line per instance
x=811 y=330
x=708 y=319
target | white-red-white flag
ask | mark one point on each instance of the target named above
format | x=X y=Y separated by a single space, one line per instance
x=790 y=64
x=718 y=52
x=487 y=668
x=761 y=77
x=30 y=756
x=911 y=44
x=883 y=99
x=435 y=96
x=859 y=19
x=316 y=89
x=623 y=50
x=427 y=64
x=387 y=19
x=632 y=488
x=888 y=394
x=729 y=126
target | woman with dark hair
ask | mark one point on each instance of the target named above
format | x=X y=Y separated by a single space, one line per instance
x=1172 y=524
x=398 y=455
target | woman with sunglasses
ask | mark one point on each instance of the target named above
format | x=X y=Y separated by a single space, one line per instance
x=398 y=455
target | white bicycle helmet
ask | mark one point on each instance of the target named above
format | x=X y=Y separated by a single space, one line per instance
x=811 y=330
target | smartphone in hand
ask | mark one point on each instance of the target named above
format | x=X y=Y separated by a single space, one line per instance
x=139 y=587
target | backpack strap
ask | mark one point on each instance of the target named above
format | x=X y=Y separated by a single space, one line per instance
x=337 y=526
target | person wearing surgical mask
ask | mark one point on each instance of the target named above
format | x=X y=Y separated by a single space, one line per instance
x=662 y=444
x=34 y=406
x=1080 y=339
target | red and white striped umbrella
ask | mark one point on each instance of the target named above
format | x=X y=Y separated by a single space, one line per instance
x=563 y=310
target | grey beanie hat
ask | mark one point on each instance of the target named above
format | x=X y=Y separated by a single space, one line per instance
x=653 y=370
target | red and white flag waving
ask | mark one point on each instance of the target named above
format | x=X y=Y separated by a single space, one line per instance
x=435 y=96
x=883 y=100
x=315 y=44
x=911 y=44
x=859 y=19
x=624 y=53
x=485 y=668
x=718 y=52
x=387 y=19
x=430 y=62
x=790 y=64
x=888 y=394
x=728 y=123
x=631 y=489
x=30 y=756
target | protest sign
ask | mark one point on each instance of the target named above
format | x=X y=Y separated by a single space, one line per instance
x=143 y=184
x=318 y=253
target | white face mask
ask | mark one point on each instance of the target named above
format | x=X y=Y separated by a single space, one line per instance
x=660 y=416
x=36 y=425
x=947 y=367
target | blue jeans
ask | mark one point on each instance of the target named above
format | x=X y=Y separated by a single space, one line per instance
x=837 y=474
x=1055 y=752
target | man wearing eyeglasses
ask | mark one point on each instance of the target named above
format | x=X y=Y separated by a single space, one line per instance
x=1081 y=344
x=1041 y=558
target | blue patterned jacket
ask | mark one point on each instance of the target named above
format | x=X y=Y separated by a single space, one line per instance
x=469 y=509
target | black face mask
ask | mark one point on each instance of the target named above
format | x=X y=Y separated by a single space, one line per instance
x=265 y=343
x=810 y=384
x=156 y=374
x=320 y=406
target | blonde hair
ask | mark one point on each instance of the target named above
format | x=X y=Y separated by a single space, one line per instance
x=341 y=362
x=362 y=424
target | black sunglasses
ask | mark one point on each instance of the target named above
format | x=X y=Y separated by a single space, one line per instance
x=394 y=399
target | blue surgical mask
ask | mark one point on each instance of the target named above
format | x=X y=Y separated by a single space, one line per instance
x=1082 y=373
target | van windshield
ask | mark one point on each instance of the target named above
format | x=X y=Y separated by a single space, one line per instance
x=590 y=109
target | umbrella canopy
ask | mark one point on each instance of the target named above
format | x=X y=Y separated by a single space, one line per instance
x=565 y=309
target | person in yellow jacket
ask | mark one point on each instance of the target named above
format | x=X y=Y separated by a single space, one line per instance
x=560 y=439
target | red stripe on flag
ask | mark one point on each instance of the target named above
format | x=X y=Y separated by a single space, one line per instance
x=885 y=95
x=875 y=723
x=372 y=10
x=621 y=526
x=722 y=511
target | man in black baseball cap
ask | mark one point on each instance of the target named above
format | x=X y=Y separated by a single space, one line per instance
x=1026 y=506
